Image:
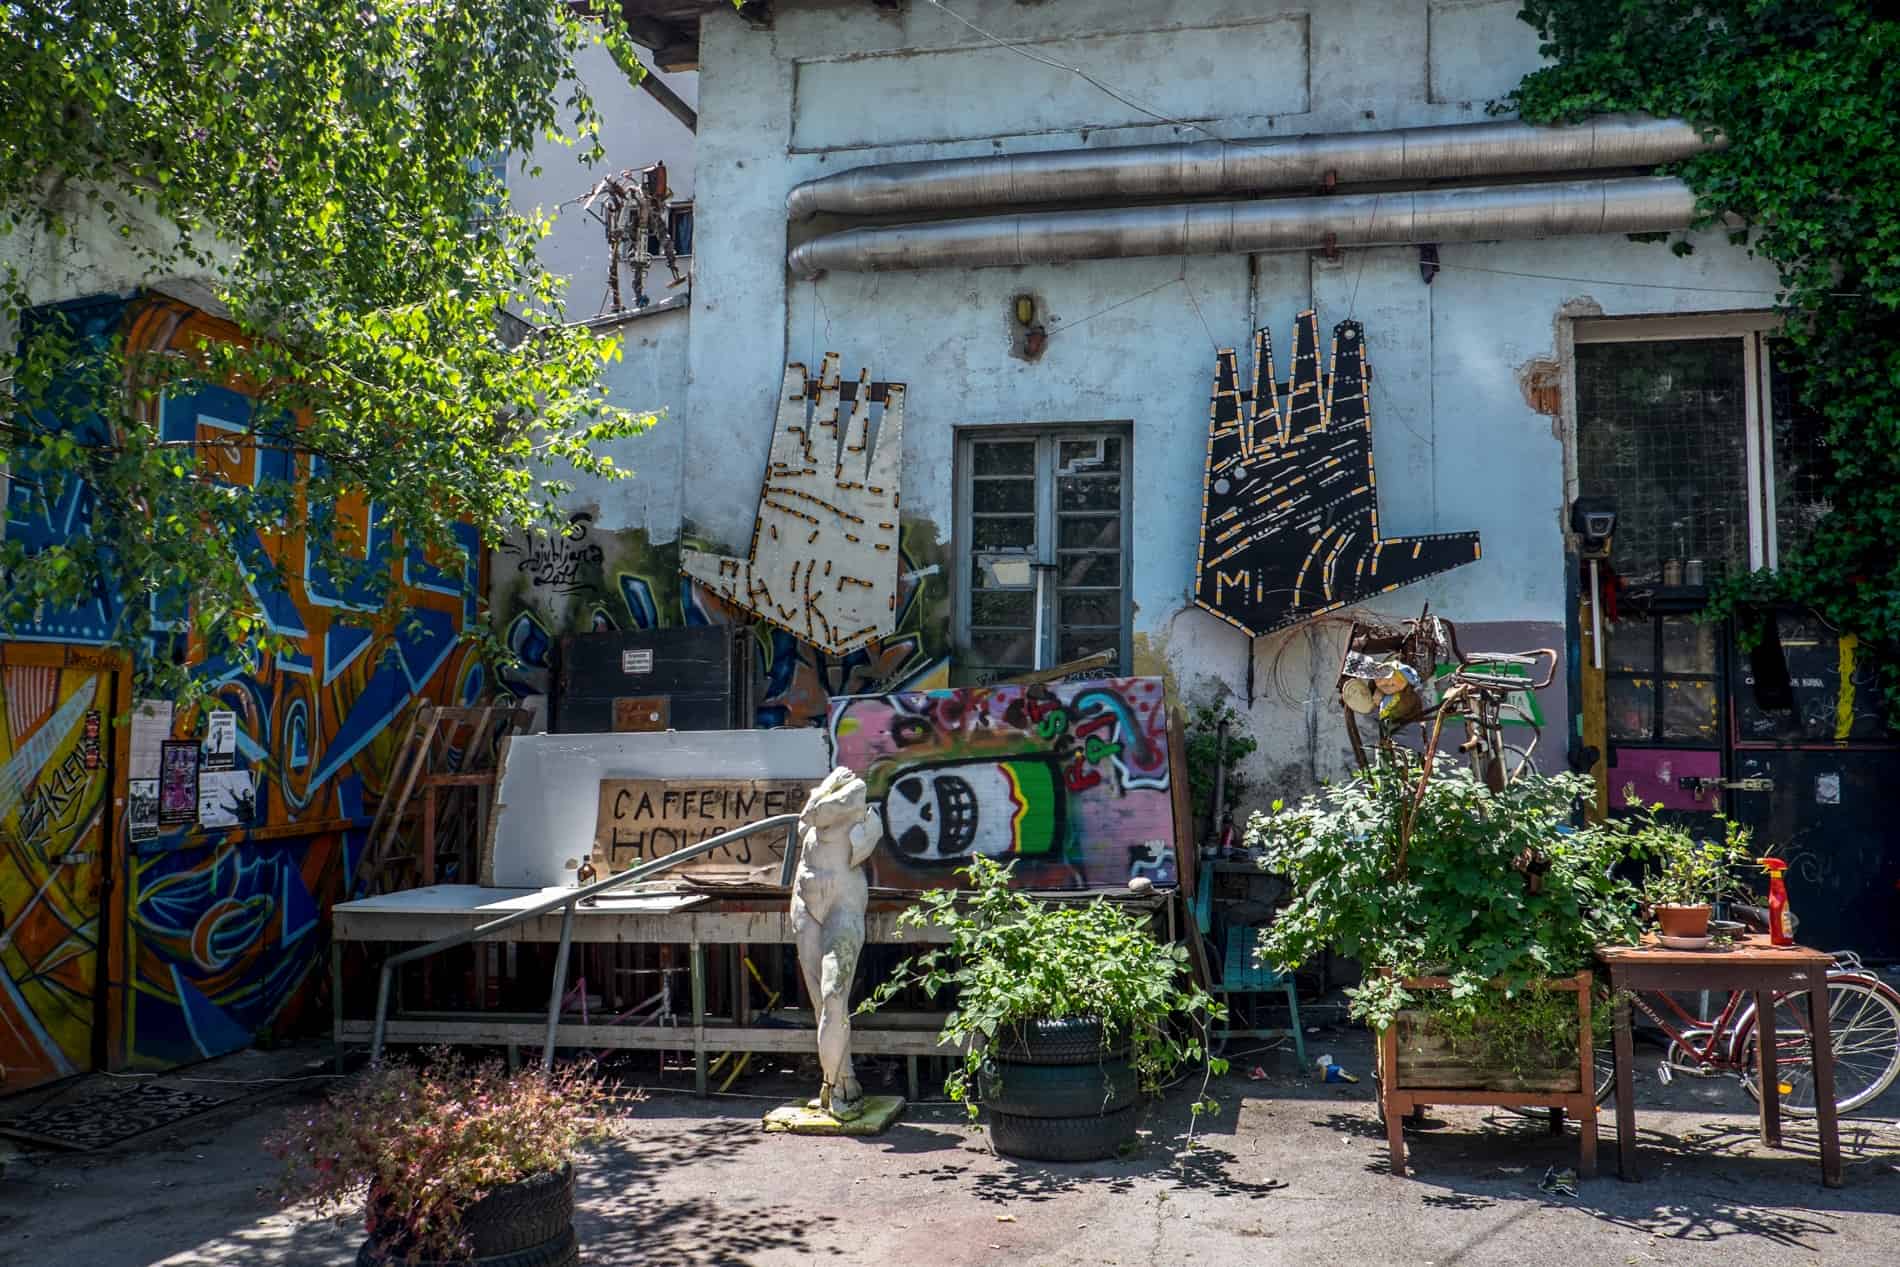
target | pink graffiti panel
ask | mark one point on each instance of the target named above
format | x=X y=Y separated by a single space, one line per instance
x=1069 y=782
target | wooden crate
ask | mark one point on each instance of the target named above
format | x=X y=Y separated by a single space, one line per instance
x=1417 y=1069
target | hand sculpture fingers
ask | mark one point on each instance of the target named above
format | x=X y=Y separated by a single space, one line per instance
x=1290 y=513
x=823 y=559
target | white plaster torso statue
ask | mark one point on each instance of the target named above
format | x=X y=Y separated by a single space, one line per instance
x=837 y=833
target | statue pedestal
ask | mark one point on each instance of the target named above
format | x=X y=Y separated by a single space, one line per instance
x=809 y=1119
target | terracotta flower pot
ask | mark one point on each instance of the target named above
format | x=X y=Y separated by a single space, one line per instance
x=1683 y=921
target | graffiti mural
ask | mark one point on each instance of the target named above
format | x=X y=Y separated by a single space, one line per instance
x=1068 y=782
x=52 y=837
x=1290 y=508
x=638 y=585
x=218 y=924
x=823 y=561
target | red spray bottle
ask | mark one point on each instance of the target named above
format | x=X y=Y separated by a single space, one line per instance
x=1779 y=933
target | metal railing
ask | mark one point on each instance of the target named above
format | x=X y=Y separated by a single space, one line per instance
x=566 y=902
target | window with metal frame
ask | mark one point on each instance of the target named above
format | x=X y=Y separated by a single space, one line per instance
x=1691 y=428
x=1042 y=549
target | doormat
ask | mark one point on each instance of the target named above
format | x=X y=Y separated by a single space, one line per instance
x=103 y=1120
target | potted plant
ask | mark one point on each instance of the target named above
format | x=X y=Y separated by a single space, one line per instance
x=1065 y=1012
x=1475 y=916
x=457 y=1163
x=1689 y=875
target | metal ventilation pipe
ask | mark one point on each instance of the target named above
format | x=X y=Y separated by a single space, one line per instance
x=1255 y=166
x=1645 y=204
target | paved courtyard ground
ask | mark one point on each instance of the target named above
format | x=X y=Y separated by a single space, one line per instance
x=1288 y=1172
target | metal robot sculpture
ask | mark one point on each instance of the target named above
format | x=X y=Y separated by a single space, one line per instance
x=837 y=833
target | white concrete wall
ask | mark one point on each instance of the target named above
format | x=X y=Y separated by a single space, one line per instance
x=1458 y=445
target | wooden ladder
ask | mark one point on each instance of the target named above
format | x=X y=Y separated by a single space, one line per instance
x=440 y=792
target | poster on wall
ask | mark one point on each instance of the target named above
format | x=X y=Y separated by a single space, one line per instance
x=226 y=798
x=1069 y=782
x=220 y=746
x=141 y=809
x=178 y=782
x=151 y=726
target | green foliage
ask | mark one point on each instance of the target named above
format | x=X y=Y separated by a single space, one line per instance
x=1495 y=888
x=1011 y=958
x=1805 y=92
x=331 y=172
x=1686 y=870
x=1205 y=756
x=1525 y=1031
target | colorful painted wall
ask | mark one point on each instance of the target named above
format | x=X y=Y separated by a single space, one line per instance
x=210 y=931
x=1069 y=782
x=583 y=580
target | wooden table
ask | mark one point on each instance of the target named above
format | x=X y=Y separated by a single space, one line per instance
x=1752 y=963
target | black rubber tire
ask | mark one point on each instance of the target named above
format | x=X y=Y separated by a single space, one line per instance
x=1093 y=1138
x=1073 y=1041
x=1059 y=1090
x=563 y=1250
x=521 y=1215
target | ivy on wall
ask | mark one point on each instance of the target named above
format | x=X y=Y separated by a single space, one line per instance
x=1806 y=91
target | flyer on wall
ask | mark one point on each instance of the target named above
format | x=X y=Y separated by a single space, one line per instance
x=220 y=746
x=178 y=782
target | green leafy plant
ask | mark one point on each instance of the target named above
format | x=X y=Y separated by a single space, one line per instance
x=426 y=1141
x=1805 y=94
x=1010 y=959
x=329 y=176
x=1494 y=890
x=1686 y=870
x=1207 y=756
x=1525 y=1031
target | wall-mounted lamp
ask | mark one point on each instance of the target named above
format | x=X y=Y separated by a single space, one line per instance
x=1025 y=310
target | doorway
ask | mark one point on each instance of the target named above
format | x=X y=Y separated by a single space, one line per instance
x=56 y=829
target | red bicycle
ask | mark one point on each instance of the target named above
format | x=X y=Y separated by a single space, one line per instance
x=1864 y=1020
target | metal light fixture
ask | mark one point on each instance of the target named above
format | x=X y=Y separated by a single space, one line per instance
x=1025 y=310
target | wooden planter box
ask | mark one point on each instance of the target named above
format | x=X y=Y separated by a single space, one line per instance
x=1418 y=1068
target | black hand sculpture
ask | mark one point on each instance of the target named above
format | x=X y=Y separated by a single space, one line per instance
x=1290 y=513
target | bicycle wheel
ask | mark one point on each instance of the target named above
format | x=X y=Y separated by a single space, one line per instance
x=1865 y=1020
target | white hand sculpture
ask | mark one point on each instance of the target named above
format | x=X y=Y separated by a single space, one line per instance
x=824 y=559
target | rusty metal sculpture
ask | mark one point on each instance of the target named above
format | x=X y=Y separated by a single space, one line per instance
x=633 y=210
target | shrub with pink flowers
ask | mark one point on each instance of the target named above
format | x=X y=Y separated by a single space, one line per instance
x=429 y=1140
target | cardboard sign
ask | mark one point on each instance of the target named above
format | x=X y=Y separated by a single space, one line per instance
x=644 y=819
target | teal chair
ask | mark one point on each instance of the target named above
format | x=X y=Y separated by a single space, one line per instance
x=1240 y=975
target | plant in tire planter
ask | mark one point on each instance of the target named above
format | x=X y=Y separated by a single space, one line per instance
x=1064 y=1012
x=458 y=1163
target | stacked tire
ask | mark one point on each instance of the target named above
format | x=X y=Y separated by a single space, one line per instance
x=525 y=1224
x=1055 y=1091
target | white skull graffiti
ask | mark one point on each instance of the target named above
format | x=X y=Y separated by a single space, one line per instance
x=951 y=812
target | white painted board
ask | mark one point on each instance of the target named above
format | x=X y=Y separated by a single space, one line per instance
x=550 y=787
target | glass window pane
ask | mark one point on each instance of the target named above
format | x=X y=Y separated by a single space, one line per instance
x=1689 y=711
x=1632 y=708
x=1092 y=608
x=1009 y=650
x=1076 y=568
x=1688 y=646
x=1006 y=571
x=1007 y=497
x=1003 y=607
x=1005 y=457
x=1089 y=492
x=1004 y=533
x=1661 y=431
x=1803 y=460
x=1073 y=644
x=1104 y=531
x=1632 y=646
x=1103 y=453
